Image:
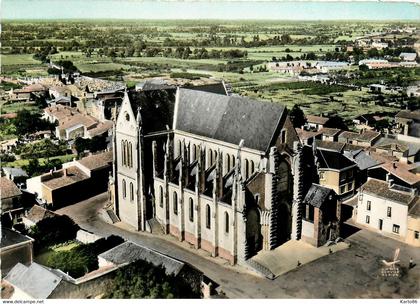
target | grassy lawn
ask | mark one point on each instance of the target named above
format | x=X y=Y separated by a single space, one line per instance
x=17 y=106
x=43 y=256
x=15 y=59
x=23 y=162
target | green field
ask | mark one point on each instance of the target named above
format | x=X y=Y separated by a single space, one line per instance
x=24 y=59
x=43 y=256
x=24 y=162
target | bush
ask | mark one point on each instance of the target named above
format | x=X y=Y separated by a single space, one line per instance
x=52 y=231
x=74 y=262
x=82 y=259
x=142 y=279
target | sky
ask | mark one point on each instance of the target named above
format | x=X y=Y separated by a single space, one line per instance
x=273 y=10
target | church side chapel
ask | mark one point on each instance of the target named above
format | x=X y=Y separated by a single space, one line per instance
x=219 y=172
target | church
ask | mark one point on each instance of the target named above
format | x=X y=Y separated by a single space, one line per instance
x=219 y=172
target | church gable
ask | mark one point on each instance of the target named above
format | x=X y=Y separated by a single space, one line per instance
x=126 y=121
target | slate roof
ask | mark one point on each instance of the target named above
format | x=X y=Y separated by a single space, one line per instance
x=362 y=159
x=401 y=171
x=37 y=213
x=216 y=88
x=415 y=115
x=36 y=281
x=330 y=145
x=317 y=119
x=317 y=195
x=97 y=161
x=381 y=189
x=73 y=175
x=11 y=237
x=398 y=145
x=330 y=131
x=228 y=118
x=415 y=207
x=333 y=160
x=303 y=134
x=154 y=84
x=366 y=135
x=414 y=130
x=129 y=252
x=15 y=172
x=8 y=188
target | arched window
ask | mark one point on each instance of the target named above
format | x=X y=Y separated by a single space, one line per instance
x=252 y=167
x=131 y=192
x=124 y=188
x=126 y=153
x=215 y=155
x=233 y=160
x=283 y=136
x=160 y=196
x=194 y=153
x=246 y=169
x=208 y=210
x=122 y=153
x=191 y=209
x=226 y=222
x=130 y=155
x=175 y=202
x=210 y=157
x=179 y=147
x=227 y=162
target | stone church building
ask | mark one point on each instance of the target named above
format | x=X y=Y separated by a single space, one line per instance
x=219 y=172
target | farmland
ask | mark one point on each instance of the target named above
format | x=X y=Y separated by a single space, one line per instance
x=235 y=51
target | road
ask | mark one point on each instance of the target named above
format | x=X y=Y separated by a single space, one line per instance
x=351 y=273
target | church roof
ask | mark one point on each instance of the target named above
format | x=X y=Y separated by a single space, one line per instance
x=228 y=118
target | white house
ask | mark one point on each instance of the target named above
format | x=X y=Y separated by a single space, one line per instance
x=384 y=208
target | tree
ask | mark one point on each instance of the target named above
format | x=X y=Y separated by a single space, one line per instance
x=297 y=116
x=142 y=279
x=53 y=230
x=74 y=262
x=27 y=122
x=336 y=122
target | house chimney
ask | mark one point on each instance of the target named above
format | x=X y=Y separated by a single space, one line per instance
x=394 y=165
x=65 y=171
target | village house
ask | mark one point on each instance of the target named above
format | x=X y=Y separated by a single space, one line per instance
x=14 y=248
x=330 y=134
x=364 y=161
x=413 y=224
x=384 y=207
x=321 y=216
x=308 y=137
x=73 y=124
x=35 y=215
x=376 y=63
x=396 y=173
x=408 y=125
x=27 y=93
x=14 y=174
x=77 y=180
x=10 y=199
x=336 y=172
x=316 y=122
x=363 y=138
x=408 y=56
x=405 y=152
